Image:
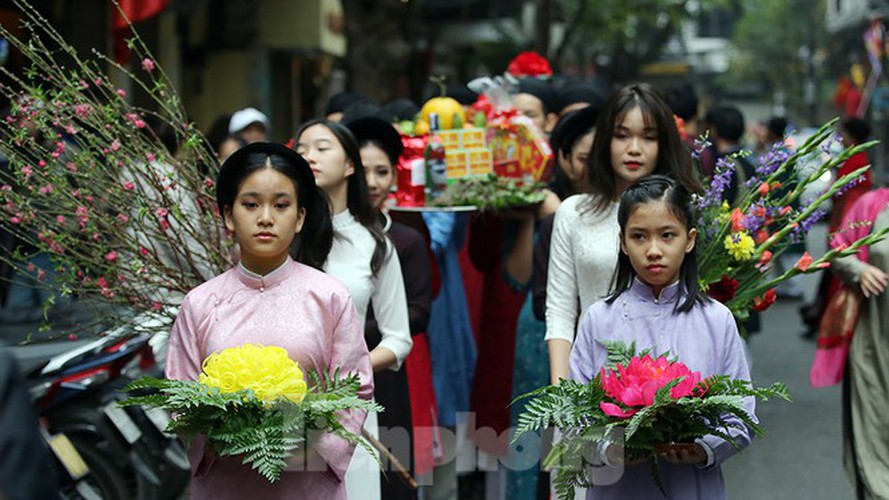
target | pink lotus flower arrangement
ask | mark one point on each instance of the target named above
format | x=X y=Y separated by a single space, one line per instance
x=651 y=399
x=637 y=385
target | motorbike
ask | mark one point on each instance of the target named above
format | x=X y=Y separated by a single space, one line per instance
x=102 y=450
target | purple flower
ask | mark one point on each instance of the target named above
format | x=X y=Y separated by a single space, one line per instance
x=700 y=144
x=772 y=160
x=827 y=147
x=722 y=177
x=848 y=187
x=805 y=225
x=755 y=217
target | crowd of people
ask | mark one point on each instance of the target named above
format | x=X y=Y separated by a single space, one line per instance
x=447 y=317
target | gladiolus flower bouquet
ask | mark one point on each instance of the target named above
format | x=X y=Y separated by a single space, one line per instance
x=653 y=399
x=739 y=243
x=254 y=402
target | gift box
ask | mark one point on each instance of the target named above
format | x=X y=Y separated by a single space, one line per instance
x=519 y=149
x=466 y=152
x=411 y=170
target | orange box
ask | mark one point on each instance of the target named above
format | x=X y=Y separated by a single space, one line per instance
x=480 y=161
x=450 y=139
x=457 y=161
x=473 y=138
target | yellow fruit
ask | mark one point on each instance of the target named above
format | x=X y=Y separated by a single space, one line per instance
x=446 y=108
x=421 y=128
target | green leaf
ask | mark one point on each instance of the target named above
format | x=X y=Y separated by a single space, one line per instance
x=238 y=424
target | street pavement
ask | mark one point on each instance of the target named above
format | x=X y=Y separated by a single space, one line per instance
x=801 y=454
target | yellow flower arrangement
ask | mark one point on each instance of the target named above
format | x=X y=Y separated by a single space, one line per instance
x=740 y=246
x=267 y=371
x=259 y=408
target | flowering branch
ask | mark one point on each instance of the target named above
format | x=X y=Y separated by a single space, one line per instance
x=91 y=184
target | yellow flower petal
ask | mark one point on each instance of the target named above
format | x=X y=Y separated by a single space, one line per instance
x=740 y=246
x=266 y=370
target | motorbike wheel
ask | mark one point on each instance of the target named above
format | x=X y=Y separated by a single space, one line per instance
x=104 y=478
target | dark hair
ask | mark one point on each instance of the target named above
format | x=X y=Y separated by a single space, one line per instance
x=674 y=195
x=340 y=101
x=218 y=131
x=360 y=110
x=569 y=130
x=673 y=158
x=313 y=243
x=238 y=139
x=377 y=132
x=541 y=90
x=857 y=128
x=777 y=127
x=579 y=92
x=358 y=194
x=461 y=93
x=726 y=122
x=683 y=101
x=402 y=109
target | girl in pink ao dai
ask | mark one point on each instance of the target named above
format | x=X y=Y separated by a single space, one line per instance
x=269 y=200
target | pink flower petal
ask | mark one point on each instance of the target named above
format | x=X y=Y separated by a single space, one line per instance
x=612 y=410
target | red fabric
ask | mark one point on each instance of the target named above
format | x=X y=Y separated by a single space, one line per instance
x=855 y=162
x=847 y=99
x=841 y=313
x=492 y=384
x=135 y=11
x=500 y=308
x=834 y=336
x=866 y=208
x=472 y=285
x=424 y=415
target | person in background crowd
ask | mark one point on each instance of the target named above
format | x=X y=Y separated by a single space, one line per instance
x=228 y=146
x=774 y=138
x=451 y=343
x=536 y=99
x=684 y=102
x=363 y=258
x=635 y=137
x=578 y=95
x=380 y=146
x=251 y=124
x=218 y=131
x=501 y=246
x=726 y=127
x=466 y=98
x=866 y=379
x=853 y=131
x=571 y=141
x=338 y=103
x=768 y=135
x=26 y=471
x=401 y=109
